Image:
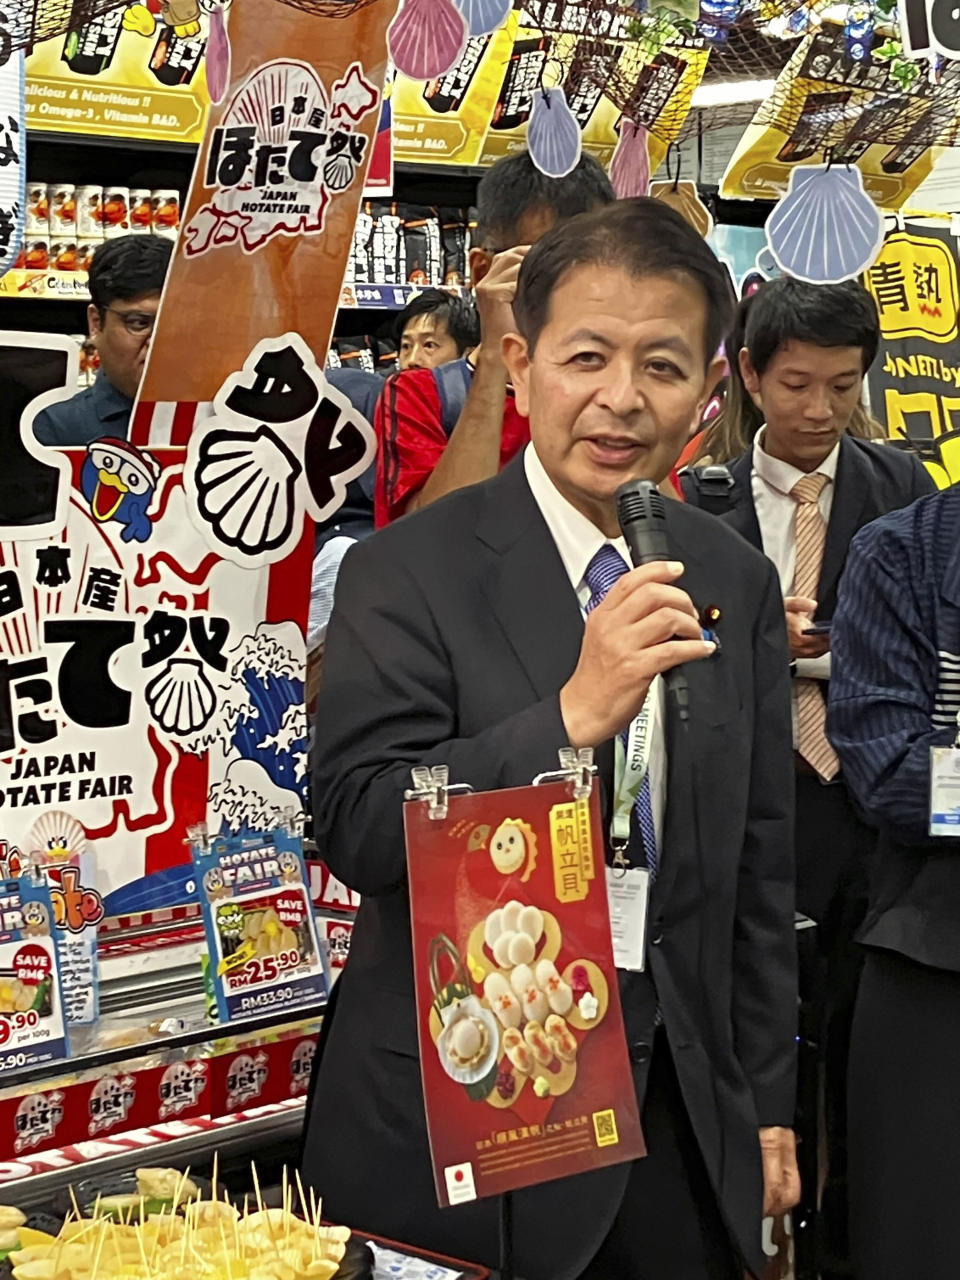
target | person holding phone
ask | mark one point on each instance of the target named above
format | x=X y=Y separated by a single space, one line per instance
x=800 y=492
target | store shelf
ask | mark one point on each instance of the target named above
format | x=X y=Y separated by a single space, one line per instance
x=184 y=1142
x=385 y=297
x=50 y=286
x=71 y=286
x=139 y=145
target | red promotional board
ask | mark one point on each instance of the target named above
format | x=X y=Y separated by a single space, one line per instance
x=524 y=1061
x=121 y=1100
x=59 y=1115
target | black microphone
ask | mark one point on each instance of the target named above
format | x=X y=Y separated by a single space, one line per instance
x=642 y=514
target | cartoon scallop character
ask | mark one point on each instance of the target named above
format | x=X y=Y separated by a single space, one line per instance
x=118 y=481
x=508 y=848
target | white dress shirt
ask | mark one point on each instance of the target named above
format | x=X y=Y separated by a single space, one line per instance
x=578 y=540
x=771 y=482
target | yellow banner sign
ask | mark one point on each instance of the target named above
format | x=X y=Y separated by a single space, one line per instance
x=915 y=379
x=824 y=104
x=572 y=845
x=478 y=112
x=124 y=75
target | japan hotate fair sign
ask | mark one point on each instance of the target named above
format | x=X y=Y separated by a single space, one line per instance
x=152 y=647
x=154 y=595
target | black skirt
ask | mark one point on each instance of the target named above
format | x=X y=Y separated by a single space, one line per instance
x=904 y=1122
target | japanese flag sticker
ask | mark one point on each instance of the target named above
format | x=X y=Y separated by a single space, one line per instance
x=460 y=1187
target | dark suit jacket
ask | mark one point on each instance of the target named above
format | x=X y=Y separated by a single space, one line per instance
x=872 y=479
x=894 y=695
x=453 y=632
x=835 y=851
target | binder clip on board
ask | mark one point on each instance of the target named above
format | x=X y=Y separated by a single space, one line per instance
x=523 y=1055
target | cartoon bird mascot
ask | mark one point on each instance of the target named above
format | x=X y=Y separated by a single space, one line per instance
x=118 y=481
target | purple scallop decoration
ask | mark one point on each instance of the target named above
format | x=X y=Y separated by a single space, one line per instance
x=630 y=166
x=553 y=135
x=826 y=228
x=484 y=16
x=218 y=57
x=426 y=38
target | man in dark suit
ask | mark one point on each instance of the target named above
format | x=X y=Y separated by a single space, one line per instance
x=895 y=695
x=800 y=493
x=501 y=624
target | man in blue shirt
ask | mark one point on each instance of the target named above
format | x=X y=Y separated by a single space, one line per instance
x=126 y=279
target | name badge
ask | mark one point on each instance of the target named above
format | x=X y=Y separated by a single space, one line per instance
x=628 y=896
x=945 y=791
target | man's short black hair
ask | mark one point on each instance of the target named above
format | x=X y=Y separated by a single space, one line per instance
x=826 y=315
x=514 y=187
x=644 y=237
x=127 y=267
x=459 y=315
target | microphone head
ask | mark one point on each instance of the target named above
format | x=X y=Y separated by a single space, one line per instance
x=639 y=500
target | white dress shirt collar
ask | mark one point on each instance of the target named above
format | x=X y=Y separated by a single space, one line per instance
x=781 y=475
x=577 y=539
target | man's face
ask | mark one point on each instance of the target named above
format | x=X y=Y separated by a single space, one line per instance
x=533 y=226
x=617 y=382
x=122 y=337
x=426 y=342
x=807 y=395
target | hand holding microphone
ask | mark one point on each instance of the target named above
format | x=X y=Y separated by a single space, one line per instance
x=644 y=627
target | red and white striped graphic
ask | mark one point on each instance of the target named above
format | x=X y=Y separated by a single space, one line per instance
x=166 y=422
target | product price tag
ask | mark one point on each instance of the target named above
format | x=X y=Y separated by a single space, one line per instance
x=628 y=894
x=261 y=932
x=32 y=1027
x=945 y=791
x=77 y=910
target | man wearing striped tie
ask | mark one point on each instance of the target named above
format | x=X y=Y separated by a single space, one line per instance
x=504 y=622
x=800 y=493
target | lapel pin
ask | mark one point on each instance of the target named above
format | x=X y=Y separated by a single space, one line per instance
x=710 y=615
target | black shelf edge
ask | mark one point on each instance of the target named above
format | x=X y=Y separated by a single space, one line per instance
x=35 y=136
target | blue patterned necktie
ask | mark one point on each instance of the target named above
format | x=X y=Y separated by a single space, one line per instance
x=602 y=572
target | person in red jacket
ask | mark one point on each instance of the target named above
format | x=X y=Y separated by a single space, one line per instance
x=421 y=457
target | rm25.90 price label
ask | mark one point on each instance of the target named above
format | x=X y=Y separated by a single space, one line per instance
x=266 y=970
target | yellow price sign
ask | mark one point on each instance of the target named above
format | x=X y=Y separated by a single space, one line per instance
x=914 y=284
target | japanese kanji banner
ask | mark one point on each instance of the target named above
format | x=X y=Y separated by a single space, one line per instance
x=154 y=590
x=12 y=146
x=522 y=1048
x=269 y=219
x=915 y=380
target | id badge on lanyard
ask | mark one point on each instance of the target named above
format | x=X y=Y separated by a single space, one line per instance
x=628 y=888
x=945 y=789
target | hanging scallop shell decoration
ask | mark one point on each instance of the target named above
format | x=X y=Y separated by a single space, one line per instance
x=181 y=698
x=57 y=835
x=630 y=166
x=484 y=16
x=426 y=38
x=553 y=135
x=218 y=56
x=826 y=228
